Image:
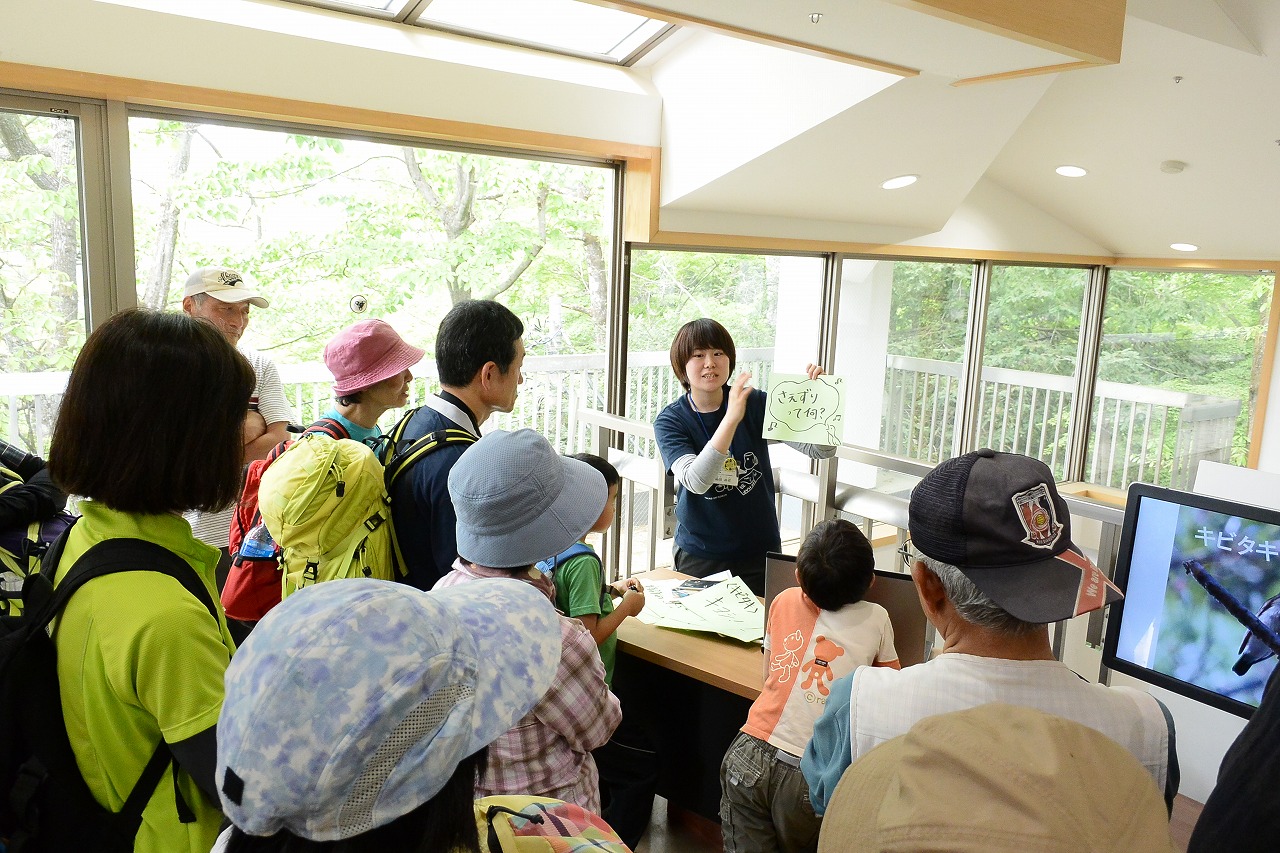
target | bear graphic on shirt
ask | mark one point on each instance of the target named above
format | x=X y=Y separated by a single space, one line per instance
x=787 y=661
x=819 y=669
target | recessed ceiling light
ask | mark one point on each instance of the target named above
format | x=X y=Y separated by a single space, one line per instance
x=1071 y=171
x=1184 y=247
x=899 y=182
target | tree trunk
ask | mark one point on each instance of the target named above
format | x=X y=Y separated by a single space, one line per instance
x=160 y=271
x=528 y=253
x=64 y=249
x=597 y=285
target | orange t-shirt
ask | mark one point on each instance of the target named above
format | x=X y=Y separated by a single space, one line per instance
x=806 y=649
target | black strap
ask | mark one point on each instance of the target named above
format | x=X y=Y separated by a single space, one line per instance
x=422 y=447
x=330 y=427
x=113 y=556
x=491 y=815
x=145 y=787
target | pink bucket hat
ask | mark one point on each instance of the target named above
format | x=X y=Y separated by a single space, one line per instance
x=366 y=353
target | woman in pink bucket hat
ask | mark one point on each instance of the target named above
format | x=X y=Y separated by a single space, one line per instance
x=370 y=365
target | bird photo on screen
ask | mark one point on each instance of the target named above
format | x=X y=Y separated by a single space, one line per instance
x=1252 y=649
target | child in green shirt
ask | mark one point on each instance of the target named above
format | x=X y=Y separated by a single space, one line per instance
x=581 y=592
x=628 y=764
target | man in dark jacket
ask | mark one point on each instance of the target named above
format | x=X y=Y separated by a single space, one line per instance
x=479 y=353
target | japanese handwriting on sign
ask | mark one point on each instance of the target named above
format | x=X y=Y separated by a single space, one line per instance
x=728 y=608
x=1221 y=540
x=804 y=409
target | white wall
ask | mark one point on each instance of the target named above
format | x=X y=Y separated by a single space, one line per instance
x=1269 y=453
x=996 y=219
x=726 y=101
x=866 y=294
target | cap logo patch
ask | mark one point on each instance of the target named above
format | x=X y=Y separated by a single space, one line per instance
x=1039 y=520
x=229 y=279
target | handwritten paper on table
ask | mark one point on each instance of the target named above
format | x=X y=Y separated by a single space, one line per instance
x=728 y=608
x=804 y=409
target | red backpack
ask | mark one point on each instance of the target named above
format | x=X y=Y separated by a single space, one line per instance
x=253 y=583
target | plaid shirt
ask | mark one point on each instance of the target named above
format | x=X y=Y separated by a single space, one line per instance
x=548 y=752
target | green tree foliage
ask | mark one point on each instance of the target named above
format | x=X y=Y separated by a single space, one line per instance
x=1033 y=318
x=669 y=289
x=930 y=309
x=1196 y=332
x=319 y=221
x=42 y=321
x=1188 y=331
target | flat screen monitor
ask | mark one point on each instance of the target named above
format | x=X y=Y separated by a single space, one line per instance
x=1169 y=630
x=893 y=591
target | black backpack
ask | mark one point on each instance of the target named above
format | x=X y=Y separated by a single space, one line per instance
x=401 y=454
x=32 y=517
x=45 y=804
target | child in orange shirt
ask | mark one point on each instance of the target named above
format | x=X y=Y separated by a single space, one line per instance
x=817 y=633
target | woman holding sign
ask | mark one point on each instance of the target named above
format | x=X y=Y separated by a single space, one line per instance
x=711 y=440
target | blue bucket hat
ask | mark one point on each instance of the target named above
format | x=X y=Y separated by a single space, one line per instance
x=518 y=501
x=352 y=702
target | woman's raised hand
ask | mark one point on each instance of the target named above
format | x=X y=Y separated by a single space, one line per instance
x=736 y=408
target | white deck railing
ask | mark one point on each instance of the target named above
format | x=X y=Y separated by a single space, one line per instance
x=1138 y=433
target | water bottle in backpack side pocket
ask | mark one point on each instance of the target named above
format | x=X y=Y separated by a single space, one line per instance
x=258 y=544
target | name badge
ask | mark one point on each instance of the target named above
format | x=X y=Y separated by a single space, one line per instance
x=728 y=475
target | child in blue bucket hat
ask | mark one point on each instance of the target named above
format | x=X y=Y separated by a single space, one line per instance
x=517 y=501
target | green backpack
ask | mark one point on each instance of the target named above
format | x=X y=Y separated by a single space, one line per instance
x=325 y=503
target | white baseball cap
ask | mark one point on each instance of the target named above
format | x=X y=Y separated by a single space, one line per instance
x=225 y=285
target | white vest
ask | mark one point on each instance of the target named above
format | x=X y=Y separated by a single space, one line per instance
x=886 y=703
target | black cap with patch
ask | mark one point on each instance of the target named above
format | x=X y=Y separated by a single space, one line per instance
x=998 y=518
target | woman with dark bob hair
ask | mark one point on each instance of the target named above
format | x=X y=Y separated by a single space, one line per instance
x=150 y=426
x=711 y=440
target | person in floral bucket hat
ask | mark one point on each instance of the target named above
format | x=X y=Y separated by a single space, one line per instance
x=362 y=712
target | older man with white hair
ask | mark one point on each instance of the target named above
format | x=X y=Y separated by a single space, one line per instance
x=996 y=564
x=222 y=297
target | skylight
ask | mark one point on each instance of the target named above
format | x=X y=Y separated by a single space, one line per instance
x=560 y=26
x=379 y=8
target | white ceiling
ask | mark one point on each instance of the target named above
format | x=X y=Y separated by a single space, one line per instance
x=1119 y=122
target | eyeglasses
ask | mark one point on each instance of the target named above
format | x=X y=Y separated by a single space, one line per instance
x=905 y=553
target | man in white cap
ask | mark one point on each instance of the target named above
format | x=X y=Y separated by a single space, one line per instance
x=994 y=564
x=222 y=297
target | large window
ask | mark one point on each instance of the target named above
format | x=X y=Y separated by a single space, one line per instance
x=771 y=305
x=1029 y=362
x=337 y=230
x=41 y=271
x=900 y=346
x=1178 y=371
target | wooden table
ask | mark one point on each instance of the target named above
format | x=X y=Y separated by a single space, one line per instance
x=693 y=691
x=718 y=661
